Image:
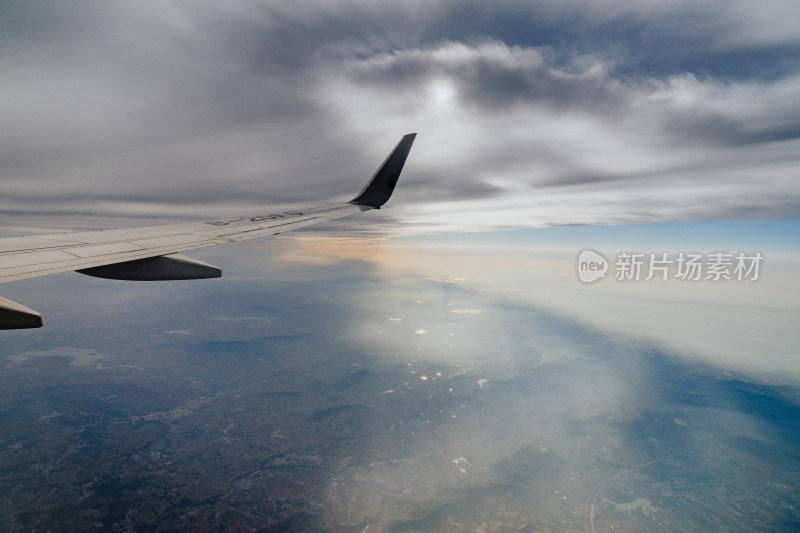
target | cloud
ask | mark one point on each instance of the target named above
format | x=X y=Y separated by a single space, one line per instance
x=575 y=143
x=557 y=113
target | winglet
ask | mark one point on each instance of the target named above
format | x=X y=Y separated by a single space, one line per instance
x=382 y=183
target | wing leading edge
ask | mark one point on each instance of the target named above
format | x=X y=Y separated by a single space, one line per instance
x=151 y=253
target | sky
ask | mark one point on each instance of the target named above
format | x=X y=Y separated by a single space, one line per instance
x=528 y=114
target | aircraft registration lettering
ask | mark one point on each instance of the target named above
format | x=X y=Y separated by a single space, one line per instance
x=257 y=218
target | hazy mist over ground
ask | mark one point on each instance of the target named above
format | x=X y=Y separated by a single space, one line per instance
x=420 y=385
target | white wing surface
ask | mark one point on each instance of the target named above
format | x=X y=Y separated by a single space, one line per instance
x=151 y=253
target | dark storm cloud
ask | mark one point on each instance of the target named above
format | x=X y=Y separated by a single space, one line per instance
x=200 y=109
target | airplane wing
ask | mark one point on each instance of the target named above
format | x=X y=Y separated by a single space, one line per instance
x=151 y=253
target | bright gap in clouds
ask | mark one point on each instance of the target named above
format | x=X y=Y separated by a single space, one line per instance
x=442 y=93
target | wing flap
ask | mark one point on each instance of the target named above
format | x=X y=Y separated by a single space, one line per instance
x=169 y=241
x=94 y=250
x=37 y=257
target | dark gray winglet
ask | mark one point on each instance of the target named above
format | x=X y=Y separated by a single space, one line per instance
x=382 y=183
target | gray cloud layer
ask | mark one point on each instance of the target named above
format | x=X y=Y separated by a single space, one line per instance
x=558 y=113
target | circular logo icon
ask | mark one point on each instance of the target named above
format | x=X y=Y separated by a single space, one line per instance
x=590 y=266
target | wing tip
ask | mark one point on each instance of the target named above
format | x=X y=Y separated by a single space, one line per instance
x=380 y=187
